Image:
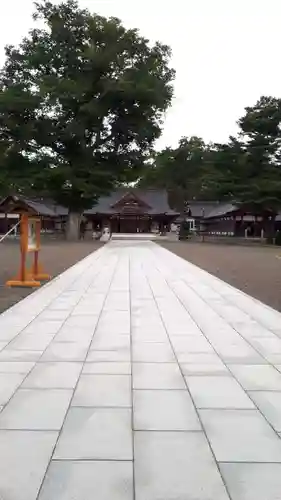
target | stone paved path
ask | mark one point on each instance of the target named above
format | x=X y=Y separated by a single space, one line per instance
x=135 y=375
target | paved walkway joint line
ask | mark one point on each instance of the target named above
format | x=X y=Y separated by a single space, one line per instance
x=137 y=376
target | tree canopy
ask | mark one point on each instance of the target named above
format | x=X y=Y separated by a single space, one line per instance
x=246 y=169
x=81 y=104
x=181 y=171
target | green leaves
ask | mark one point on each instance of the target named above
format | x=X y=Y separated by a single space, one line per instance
x=83 y=99
x=186 y=172
x=246 y=169
x=261 y=134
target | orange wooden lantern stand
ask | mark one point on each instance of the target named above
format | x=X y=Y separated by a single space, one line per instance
x=29 y=242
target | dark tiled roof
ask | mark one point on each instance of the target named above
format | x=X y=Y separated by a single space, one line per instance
x=209 y=209
x=221 y=210
x=39 y=207
x=57 y=210
x=156 y=200
x=202 y=208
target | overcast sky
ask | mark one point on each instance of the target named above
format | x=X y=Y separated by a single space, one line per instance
x=226 y=54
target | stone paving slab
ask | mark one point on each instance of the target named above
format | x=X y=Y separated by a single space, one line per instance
x=76 y=480
x=135 y=375
x=252 y=481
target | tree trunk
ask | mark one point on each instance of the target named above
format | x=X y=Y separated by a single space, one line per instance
x=73 y=226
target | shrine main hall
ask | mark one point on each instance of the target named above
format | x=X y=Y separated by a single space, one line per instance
x=132 y=211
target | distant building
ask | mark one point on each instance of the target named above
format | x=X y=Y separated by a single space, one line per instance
x=227 y=219
x=132 y=211
x=53 y=216
x=196 y=212
x=123 y=211
x=146 y=210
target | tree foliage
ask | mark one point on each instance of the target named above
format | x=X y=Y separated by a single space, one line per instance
x=81 y=104
x=246 y=169
x=181 y=171
x=261 y=135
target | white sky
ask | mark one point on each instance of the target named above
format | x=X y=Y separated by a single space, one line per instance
x=226 y=54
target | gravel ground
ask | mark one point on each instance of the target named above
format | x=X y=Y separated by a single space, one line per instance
x=255 y=270
x=55 y=257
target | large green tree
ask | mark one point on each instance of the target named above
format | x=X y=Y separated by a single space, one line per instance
x=244 y=170
x=261 y=136
x=81 y=104
x=187 y=172
x=247 y=168
x=226 y=173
